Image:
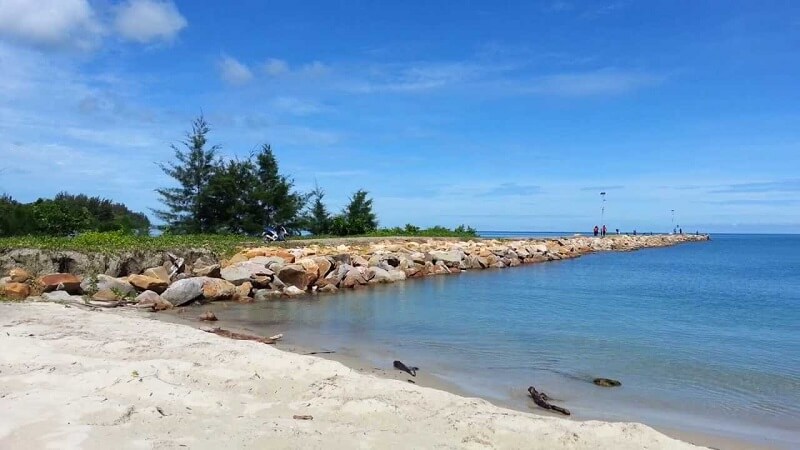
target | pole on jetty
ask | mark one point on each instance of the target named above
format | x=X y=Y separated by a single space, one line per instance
x=673 y=221
x=602 y=209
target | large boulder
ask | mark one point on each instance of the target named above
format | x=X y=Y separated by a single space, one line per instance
x=295 y=275
x=312 y=270
x=377 y=275
x=215 y=289
x=105 y=282
x=451 y=258
x=324 y=264
x=16 y=290
x=184 y=291
x=359 y=261
x=206 y=266
x=244 y=271
x=145 y=283
x=353 y=279
x=397 y=275
x=61 y=282
x=157 y=272
x=151 y=300
x=19 y=275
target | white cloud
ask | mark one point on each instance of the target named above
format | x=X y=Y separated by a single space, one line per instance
x=234 y=72
x=274 y=67
x=49 y=23
x=147 y=21
x=296 y=106
x=316 y=69
x=599 y=82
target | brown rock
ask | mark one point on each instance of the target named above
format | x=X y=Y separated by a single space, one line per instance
x=295 y=275
x=208 y=316
x=16 y=290
x=359 y=261
x=205 y=266
x=243 y=290
x=105 y=295
x=157 y=272
x=217 y=289
x=353 y=279
x=328 y=288
x=151 y=300
x=61 y=282
x=288 y=257
x=145 y=283
x=18 y=275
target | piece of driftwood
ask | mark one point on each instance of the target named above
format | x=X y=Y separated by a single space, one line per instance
x=277 y=337
x=606 y=382
x=303 y=417
x=541 y=399
x=239 y=336
x=325 y=352
x=410 y=370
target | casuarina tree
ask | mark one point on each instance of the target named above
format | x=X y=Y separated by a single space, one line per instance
x=276 y=198
x=318 y=219
x=193 y=168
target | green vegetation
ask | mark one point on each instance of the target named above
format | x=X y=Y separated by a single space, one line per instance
x=224 y=197
x=67 y=214
x=113 y=242
x=216 y=204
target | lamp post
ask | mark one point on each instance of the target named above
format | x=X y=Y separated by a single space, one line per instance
x=673 y=221
x=602 y=208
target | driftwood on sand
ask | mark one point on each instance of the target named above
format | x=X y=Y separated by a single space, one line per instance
x=410 y=370
x=243 y=336
x=541 y=399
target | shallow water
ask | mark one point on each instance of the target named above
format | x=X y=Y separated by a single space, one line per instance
x=704 y=337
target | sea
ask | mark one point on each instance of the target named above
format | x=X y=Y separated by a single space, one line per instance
x=704 y=337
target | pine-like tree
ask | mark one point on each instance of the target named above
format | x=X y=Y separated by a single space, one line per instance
x=358 y=214
x=318 y=219
x=229 y=199
x=279 y=203
x=193 y=169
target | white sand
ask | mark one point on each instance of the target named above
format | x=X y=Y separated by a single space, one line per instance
x=71 y=378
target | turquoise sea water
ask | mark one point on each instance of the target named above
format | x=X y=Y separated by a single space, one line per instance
x=704 y=337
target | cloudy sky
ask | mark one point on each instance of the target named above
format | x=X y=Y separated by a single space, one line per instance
x=505 y=116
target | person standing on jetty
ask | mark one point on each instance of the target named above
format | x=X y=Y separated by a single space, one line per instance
x=604 y=231
x=596 y=230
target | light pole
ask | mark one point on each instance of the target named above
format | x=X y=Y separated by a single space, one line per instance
x=602 y=209
x=673 y=220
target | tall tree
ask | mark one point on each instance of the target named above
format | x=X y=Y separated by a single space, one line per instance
x=229 y=199
x=194 y=165
x=279 y=203
x=318 y=219
x=358 y=214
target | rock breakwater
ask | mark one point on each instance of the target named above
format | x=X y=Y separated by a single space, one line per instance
x=259 y=274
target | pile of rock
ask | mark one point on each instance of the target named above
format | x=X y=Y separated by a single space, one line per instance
x=259 y=274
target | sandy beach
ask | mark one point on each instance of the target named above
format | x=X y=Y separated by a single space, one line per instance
x=72 y=378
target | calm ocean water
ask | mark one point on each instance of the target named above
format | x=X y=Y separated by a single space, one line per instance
x=704 y=337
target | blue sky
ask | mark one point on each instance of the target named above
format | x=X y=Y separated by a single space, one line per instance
x=502 y=115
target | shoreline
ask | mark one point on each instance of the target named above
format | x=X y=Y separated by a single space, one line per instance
x=355 y=358
x=79 y=378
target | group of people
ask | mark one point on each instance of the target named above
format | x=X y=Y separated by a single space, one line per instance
x=602 y=231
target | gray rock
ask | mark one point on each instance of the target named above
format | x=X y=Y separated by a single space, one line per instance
x=184 y=291
x=451 y=258
x=267 y=294
x=104 y=282
x=293 y=291
x=206 y=266
x=267 y=260
x=240 y=272
x=378 y=275
x=397 y=275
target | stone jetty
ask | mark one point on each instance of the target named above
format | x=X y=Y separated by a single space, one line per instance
x=289 y=271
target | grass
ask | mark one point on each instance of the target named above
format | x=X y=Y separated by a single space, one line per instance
x=119 y=242
x=224 y=245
